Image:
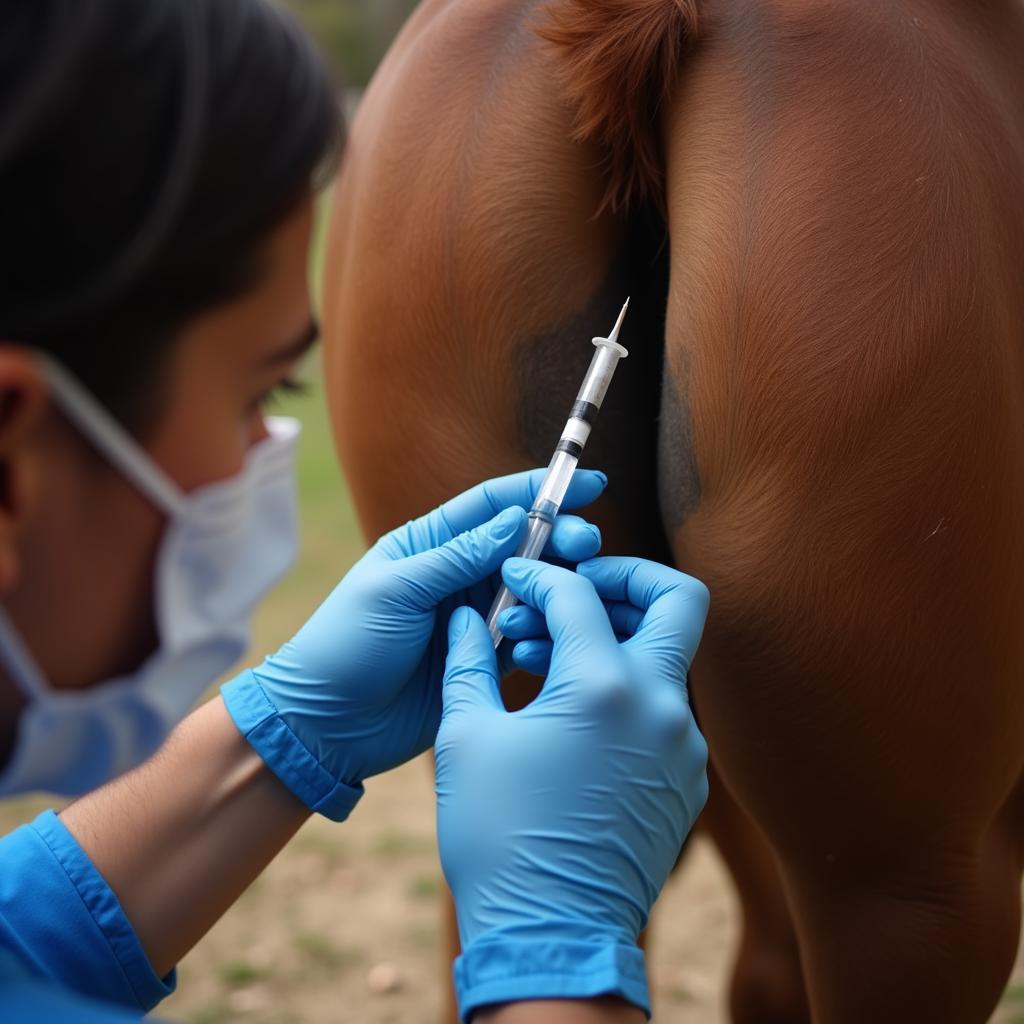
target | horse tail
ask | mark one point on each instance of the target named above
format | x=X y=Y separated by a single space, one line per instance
x=619 y=60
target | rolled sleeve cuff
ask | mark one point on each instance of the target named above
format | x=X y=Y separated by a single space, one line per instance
x=503 y=972
x=284 y=753
x=60 y=919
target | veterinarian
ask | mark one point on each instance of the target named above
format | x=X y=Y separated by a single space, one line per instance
x=157 y=170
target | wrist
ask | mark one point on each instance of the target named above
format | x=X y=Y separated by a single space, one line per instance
x=509 y=967
x=265 y=730
x=602 y=1010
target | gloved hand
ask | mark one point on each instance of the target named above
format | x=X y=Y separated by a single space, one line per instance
x=558 y=825
x=358 y=689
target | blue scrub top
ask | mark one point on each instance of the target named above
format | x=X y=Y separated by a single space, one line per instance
x=67 y=951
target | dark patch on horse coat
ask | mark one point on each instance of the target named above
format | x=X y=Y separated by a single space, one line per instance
x=678 y=478
x=624 y=443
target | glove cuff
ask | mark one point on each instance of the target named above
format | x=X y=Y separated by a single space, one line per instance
x=285 y=754
x=501 y=971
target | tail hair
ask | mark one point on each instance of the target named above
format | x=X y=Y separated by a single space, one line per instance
x=620 y=60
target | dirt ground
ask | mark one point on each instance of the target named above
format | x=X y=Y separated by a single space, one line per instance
x=346 y=906
x=343 y=900
x=306 y=940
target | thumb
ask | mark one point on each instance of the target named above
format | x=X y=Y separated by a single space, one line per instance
x=471 y=671
x=465 y=560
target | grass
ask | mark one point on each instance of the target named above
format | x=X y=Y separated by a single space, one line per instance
x=328 y=847
x=424 y=936
x=236 y=973
x=1013 y=1001
x=215 y=1013
x=423 y=888
x=318 y=950
x=330 y=537
x=394 y=845
x=331 y=540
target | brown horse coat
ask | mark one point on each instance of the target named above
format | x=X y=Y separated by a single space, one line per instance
x=817 y=208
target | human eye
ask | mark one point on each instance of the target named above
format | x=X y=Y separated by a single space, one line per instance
x=288 y=387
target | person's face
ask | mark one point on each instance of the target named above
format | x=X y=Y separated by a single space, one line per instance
x=77 y=539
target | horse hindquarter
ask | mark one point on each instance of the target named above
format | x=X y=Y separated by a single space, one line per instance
x=844 y=348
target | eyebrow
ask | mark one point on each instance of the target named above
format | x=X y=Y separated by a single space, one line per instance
x=297 y=347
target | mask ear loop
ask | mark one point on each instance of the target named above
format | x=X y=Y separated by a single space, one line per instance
x=110 y=438
x=21 y=665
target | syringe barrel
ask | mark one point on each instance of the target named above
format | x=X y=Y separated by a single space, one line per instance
x=504 y=599
x=532 y=546
x=556 y=480
x=555 y=484
x=538 y=531
x=599 y=375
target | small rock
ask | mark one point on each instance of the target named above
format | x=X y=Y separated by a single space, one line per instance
x=384 y=978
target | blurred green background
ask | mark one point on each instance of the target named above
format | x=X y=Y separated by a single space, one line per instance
x=331 y=540
x=354 y=34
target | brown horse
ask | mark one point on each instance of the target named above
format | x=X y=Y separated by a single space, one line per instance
x=818 y=209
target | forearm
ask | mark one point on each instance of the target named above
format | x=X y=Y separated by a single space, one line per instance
x=562 y=1011
x=181 y=837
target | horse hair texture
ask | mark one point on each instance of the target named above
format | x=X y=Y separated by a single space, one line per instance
x=619 y=62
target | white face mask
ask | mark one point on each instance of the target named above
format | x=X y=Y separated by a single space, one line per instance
x=223 y=548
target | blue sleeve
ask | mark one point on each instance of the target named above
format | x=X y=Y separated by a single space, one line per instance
x=61 y=921
x=27 y=1000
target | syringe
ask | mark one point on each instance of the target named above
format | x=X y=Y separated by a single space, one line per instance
x=563 y=463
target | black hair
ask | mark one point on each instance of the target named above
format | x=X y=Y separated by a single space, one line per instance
x=147 y=148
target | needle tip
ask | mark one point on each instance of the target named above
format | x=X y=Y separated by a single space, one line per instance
x=618 y=323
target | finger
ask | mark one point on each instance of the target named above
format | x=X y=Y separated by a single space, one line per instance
x=533 y=656
x=573 y=611
x=471 y=669
x=433 y=575
x=636 y=580
x=522 y=622
x=625 y=618
x=675 y=605
x=573 y=539
x=480 y=503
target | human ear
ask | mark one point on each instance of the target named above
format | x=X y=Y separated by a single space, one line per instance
x=22 y=401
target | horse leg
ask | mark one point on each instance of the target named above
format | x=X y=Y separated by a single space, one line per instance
x=767 y=985
x=927 y=933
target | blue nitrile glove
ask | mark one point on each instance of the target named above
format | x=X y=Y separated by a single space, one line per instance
x=558 y=825
x=358 y=689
